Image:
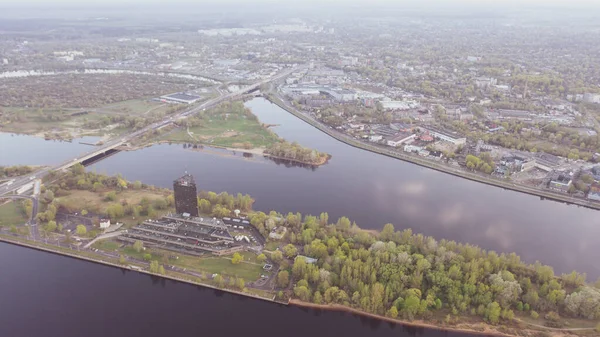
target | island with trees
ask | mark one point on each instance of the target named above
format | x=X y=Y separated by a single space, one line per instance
x=296 y=153
x=233 y=126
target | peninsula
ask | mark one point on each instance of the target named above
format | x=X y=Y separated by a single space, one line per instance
x=305 y=260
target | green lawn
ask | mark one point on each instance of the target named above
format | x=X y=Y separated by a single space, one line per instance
x=11 y=214
x=106 y=245
x=219 y=265
x=233 y=132
x=272 y=245
x=208 y=265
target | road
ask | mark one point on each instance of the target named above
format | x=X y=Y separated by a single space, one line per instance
x=21 y=181
x=104 y=236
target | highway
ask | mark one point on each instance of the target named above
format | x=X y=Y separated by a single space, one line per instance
x=6 y=189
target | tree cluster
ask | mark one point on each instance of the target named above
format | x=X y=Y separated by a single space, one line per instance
x=400 y=274
x=295 y=152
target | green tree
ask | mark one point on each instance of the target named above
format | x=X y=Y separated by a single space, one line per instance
x=277 y=256
x=80 y=230
x=534 y=314
x=161 y=270
x=237 y=258
x=84 y=212
x=302 y=293
x=138 y=246
x=51 y=226
x=111 y=196
x=219 y=281
x=240 y=283
x=122 y=259
x=154 y=266
x=283 y=279
x=411 y=306
x=147 y=256
x=387 y=233
x=261 y=258
x=137 y=185
x=290 y=251
x=392 y=312
x=13 y=229
x=492 y=313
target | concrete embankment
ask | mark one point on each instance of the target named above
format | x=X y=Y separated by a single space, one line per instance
x=434 y=165
x=65 y=252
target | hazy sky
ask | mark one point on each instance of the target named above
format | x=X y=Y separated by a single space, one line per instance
x=78 y=3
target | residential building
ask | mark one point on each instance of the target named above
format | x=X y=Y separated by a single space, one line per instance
x=596 y=172
x=485 y=82
x=594 y=193
x=186 y=196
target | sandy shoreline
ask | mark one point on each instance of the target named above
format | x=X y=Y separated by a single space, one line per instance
x=464 y=328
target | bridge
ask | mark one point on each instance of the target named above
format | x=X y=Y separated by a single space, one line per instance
x=112 y=146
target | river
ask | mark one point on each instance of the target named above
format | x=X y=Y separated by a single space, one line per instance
x=51 y=295
x=29 y=150
x=373 y=190
x=55 y=296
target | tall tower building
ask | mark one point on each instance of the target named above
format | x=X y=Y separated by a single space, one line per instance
x=186 y=197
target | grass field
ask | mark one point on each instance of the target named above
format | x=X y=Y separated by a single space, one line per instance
x=227 y=133
x=33 y=120
x=208 y=265
x=82 y=199
x=135 y=107
x=10 y=214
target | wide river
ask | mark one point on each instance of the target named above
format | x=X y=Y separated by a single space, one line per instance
x=57 y=296
x=374 y=190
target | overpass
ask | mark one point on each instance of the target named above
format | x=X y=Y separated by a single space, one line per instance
x=112 y=145
x=101 y=151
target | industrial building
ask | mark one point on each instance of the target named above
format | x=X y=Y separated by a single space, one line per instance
x=183 y=233
x=444 y=135
x=181 y=97
x=186 y=196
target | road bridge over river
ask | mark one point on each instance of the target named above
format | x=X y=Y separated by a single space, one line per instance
x=113 y=144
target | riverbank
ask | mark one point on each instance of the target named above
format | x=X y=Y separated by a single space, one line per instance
x=473 y=329
x=254 y=151
x=431 y=164
x=54 y=250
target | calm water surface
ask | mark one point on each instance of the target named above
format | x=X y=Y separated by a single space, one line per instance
x=373 y=190
x=29 y=150
x=54 y=296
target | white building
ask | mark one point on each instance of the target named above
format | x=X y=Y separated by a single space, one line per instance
x=342 y=95
x=375 y=138
x=412 y=148
x=591 y=98
x=104 y=223
x=445 y=136
x=400 y=139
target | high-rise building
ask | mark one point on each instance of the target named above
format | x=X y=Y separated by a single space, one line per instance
x=186 y=199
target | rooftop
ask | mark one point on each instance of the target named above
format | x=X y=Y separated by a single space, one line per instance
x=186 y=180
